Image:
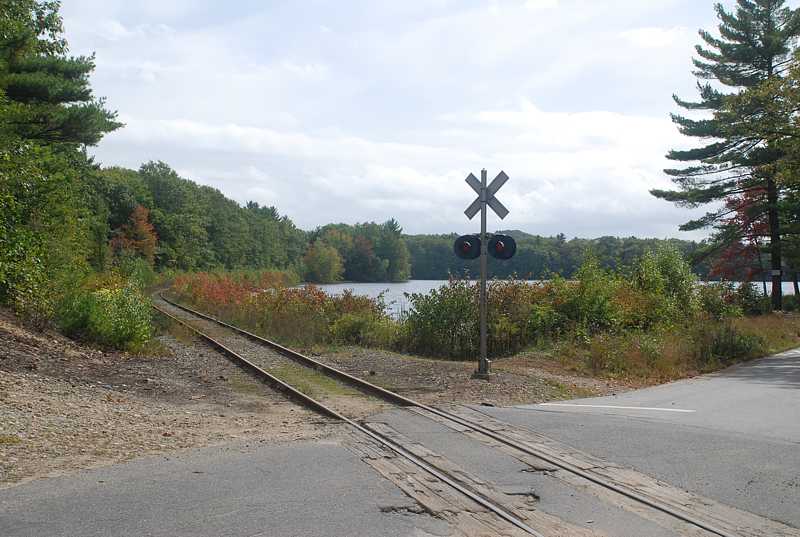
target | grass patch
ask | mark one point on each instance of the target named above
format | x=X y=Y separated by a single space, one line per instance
x=780 y=332
x=311 y=382
x=562 y=391
x=245 y=386
x=676 y=352
x=9 y=440
x=179 y=332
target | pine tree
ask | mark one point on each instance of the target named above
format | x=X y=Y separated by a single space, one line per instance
x=48 y=96
x=755 y=46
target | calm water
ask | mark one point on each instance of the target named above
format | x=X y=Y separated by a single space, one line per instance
x=394 y=293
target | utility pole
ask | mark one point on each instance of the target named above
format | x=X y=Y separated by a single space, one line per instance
x=484 y=364
x=502 y=247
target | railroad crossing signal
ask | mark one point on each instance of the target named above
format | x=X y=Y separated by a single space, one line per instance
x=468 y=247
x=491 y=190
x=500 y=246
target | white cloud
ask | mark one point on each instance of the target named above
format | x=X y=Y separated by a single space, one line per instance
x=535 y=5
x=655 y=37
x=369 y=110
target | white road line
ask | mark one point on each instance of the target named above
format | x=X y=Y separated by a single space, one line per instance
x=620 y=407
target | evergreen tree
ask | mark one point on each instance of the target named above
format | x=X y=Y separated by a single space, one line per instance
x=755 y=46
x=48 y=94
x=47 y=112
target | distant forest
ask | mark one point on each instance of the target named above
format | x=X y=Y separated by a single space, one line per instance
x=178 y=224
x=538 y=257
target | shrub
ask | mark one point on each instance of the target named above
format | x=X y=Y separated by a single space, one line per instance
x=118 y=316
x=591 y=302
x=750 y=301
x=367 y=330
x=718 y=300
x=301 y=316
x=790 y=302
x=443 y=322
x=136 y=269
x=715 y=343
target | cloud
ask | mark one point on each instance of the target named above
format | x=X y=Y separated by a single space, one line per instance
x=370 y=110
x=654 y=37
x=535 y=5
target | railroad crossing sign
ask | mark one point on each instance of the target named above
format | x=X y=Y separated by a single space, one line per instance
x=503 y=247
x=491 y=190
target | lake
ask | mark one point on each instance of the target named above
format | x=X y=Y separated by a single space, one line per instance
x=394 y=293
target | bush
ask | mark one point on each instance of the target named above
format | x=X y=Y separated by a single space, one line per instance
x=591 y=304
x=137 y=270
x=118 y=317
x=305 y=316
x=367 y=330
x=443 y=322
x=790 y=302
x=718 y=300
x=750 y=301
x=723 y=343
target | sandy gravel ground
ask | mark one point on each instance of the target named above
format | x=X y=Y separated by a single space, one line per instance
x=64 y=406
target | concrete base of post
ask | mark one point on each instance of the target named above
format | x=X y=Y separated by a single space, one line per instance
x=477 y=375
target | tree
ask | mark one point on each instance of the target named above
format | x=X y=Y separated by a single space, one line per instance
x=48 y=92
x=137 y=236
x=754 y=47
x=47 y=115
x=323 y=264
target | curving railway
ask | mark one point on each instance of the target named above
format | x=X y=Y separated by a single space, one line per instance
x=345 y=397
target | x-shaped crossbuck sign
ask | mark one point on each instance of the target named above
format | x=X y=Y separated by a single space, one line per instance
x=491 y=190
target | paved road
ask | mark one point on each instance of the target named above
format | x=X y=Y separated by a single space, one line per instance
x=303 y=490
x=733 y=436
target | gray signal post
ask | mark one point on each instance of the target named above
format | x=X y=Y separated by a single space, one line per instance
x=485 y=198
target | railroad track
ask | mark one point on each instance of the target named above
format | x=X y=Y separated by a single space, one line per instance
x=724 y=522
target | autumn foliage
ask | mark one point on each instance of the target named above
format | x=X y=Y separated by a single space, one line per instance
x=264 y=302
x=138 y=236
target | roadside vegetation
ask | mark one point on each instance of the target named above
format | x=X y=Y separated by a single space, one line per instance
x=651 y=320
x=81 y=245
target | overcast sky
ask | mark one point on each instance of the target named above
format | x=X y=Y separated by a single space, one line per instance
x=349 y=111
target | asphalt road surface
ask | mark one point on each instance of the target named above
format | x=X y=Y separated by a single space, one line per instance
x=733 y=436
x=303 y=490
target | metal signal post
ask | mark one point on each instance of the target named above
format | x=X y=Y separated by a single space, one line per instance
x=504 y=249
x=483 y=364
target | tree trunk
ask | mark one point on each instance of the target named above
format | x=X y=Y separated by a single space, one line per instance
x=796 y=286
x=775 y=244
x=761 y=267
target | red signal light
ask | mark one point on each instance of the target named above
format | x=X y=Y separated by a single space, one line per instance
x=502 y=246
x=467 y=247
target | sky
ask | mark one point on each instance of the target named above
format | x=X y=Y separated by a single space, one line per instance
x=352 y=111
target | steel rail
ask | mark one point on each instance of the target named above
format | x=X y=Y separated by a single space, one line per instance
x=388 y=395
x=378 y=437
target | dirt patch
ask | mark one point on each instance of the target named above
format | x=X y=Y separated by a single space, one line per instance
x=64 y=406
x=523 y=379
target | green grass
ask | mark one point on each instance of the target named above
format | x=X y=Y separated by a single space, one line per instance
x=246 y=386
x=9 y=439
x=311 y=382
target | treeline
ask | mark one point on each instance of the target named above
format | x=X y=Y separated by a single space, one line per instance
x=186 y=226
x=540 y=257
x=362 y=253
x=174 y=223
